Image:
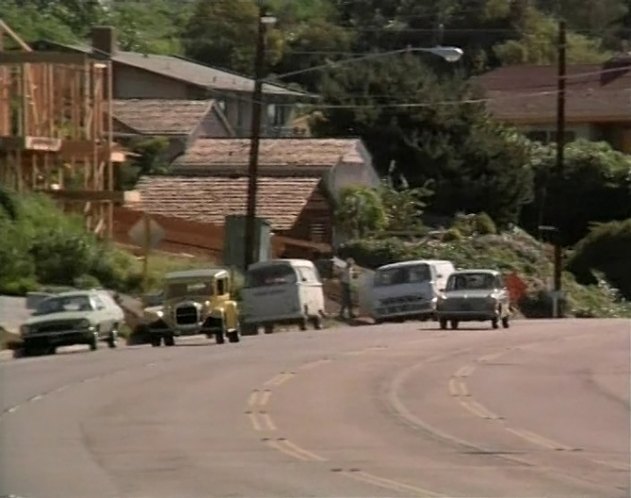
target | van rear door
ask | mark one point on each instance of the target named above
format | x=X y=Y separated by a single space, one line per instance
x=271 y=293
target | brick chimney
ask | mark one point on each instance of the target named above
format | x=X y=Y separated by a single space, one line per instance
x=104 y=40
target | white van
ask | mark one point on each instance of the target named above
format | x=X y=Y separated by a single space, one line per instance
x=408 y=289
x=281 y=291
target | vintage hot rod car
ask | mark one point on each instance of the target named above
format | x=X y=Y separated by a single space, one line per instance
x=195 y=302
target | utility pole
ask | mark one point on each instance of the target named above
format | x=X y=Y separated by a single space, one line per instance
x=560 y=159
x=255 y=136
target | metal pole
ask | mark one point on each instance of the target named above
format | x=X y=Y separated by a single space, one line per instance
x=250 y=221
x=560 y=153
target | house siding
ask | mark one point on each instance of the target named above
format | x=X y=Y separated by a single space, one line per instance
x=315 y=222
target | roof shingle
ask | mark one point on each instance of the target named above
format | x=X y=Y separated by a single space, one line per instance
x=210 y=199
x=212 y=155
x=161 y=117
x=529 y=92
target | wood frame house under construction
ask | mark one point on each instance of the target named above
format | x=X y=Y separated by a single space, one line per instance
x=56 y=129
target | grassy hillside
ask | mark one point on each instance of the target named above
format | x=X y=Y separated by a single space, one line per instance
x=514 y=252
x=41 y=247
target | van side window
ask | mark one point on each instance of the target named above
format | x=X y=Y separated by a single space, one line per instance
x=221 y=287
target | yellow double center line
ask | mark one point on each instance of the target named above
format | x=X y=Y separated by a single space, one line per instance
x=293 y=450
x=279 y=379
x=458 y=389
x=261 y=420
x=389 y=484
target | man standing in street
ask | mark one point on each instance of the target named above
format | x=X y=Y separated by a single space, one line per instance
x=346 y=278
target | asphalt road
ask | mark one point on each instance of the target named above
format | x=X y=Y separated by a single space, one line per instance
x=394 y=410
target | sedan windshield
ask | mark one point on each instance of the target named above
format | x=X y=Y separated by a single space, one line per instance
x=65 y=303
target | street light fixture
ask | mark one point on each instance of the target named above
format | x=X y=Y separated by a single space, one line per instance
x=449 y=54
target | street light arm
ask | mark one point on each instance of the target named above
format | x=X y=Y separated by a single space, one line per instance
x=450 y=54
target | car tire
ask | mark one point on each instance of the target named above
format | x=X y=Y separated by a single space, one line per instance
x=443 y=323
x=220 y=337
x=454 y=324
x=269 y=328
x=233 y=336
x=495 y=323
x=155 y=341
x=317 y=322
x=169 y=340
x=112 y=340
x=249 y=330
x=505 y=322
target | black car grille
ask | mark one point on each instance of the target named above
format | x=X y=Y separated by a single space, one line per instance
x=186 y=315
x=52 y=327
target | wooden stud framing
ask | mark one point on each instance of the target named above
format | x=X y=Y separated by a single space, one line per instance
x=64 y=96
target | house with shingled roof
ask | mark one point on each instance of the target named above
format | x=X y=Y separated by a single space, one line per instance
x=299 y=180
x=181 y=122
x=151 y=76
x=598 y=100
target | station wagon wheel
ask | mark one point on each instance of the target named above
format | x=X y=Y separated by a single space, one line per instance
x=94 y=342
x=112 y=340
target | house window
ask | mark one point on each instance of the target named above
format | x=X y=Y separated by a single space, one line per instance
x=276 y=115
x=547 y=136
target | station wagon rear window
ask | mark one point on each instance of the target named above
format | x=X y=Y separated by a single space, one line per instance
x=271 y=275
x=403 y=275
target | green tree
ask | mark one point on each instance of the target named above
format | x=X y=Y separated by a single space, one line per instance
x=537 y=43
x=223 y=33
x=151 y=26
x=594 y=186
x=360 y=212
x=404 y=207
x=607 y=248
x=408 y=115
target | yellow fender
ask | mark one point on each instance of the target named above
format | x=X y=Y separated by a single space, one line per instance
x=231 y=315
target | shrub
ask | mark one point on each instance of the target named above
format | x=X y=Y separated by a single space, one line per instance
x=452 y=235
x=607 y=249
x=483 y=224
